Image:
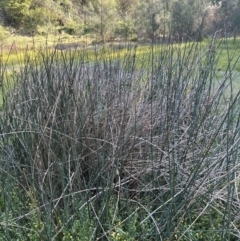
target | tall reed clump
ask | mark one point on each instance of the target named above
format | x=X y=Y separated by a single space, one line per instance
x=140 y=147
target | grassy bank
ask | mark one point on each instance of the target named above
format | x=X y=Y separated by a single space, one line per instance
x=136 y=143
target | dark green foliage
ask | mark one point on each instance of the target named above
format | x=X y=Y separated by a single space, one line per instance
x=182 y=19
x=16 y=11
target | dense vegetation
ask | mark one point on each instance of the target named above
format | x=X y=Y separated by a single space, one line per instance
x=122 y=141
x=140 y=143
x=166 y=20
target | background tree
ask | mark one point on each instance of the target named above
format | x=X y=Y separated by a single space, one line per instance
x=148 y=18
x=103 y=17
x=165 y=19
x=127 y=11
x=182 y=19
x=16 y=11
x=230 y=15
x=187 y=19
x=235 y=19
x=27 y=15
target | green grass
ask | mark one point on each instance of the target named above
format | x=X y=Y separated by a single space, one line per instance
x=15 y=52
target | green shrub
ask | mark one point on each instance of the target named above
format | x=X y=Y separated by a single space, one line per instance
x=74 y=27
x=125 y=28
x=3 y=33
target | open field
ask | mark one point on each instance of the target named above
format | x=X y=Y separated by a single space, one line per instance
x=113 y=143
